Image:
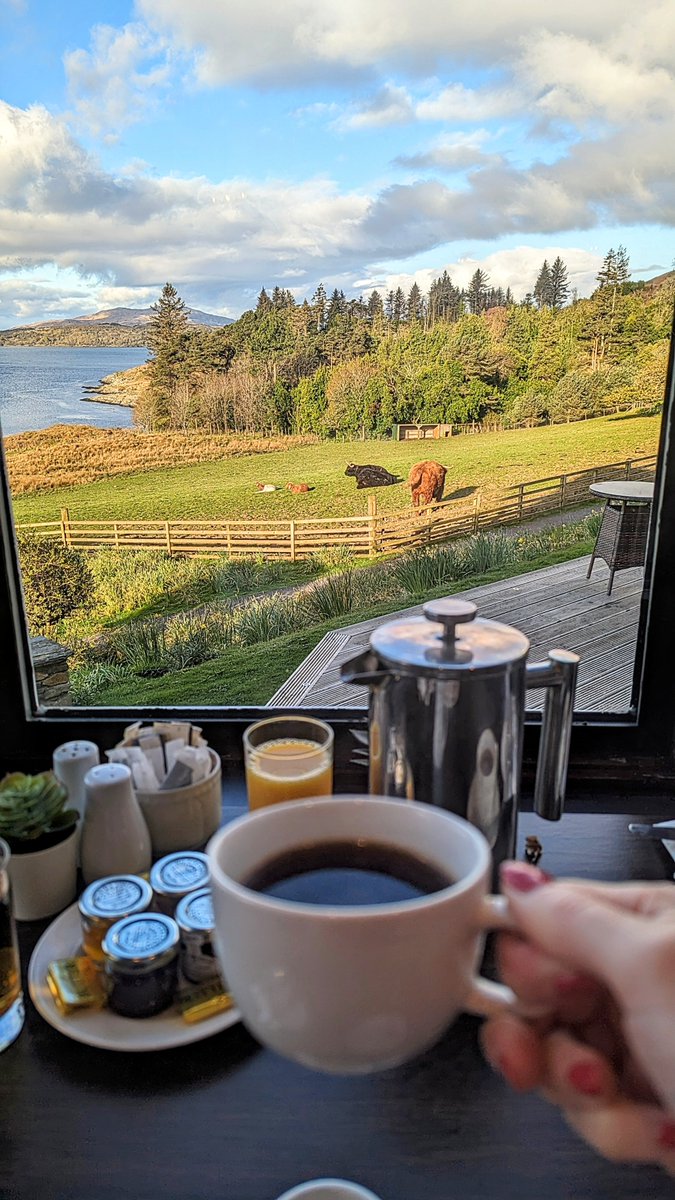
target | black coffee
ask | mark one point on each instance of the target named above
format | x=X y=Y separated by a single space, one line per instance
x=347 y=872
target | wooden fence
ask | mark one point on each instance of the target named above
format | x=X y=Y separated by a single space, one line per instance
x=376 y=533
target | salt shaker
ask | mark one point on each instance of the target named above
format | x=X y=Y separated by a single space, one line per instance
x=115 y=838
x=71 y=761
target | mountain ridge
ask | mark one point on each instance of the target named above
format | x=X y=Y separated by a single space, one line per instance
x=125 y=317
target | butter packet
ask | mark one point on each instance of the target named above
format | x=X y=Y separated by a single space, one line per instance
x=198 y=1002
x=74 y=984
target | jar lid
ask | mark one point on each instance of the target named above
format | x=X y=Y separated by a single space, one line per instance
x=448 y=640
x=178 y=873
x=115 y=896
x=141 y=943
x=195 y=912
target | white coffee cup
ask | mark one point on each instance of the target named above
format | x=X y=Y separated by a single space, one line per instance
x=328 y=1189
x=356 y=988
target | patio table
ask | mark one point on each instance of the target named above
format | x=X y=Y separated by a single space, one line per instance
x=622 y=537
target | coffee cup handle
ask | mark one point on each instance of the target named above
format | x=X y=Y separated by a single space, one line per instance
x=486 y=998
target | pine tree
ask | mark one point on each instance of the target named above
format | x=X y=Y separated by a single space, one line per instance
x=542 y=288
x=398 y=306
x=414 y=304
x=168 y=338
x=375 y=307
x=319 y=306
x=263 y=303
x=477 y=292
x=559 y=285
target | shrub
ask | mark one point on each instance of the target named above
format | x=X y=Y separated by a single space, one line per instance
x=87 y=683
x=331 y=597
x=141 y=646
x=423 y=570
x=266 y=618
x=132 y=579
x=486 y=552
x=195 y=637
x=56 y=581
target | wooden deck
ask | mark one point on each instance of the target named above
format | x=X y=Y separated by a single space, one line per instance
x=556 y=608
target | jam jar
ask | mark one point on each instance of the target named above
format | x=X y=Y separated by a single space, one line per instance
x=194 y=917
x=141 y=962
x=106 y=901
x=173 y=876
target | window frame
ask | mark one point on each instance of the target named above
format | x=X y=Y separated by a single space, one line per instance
x=606 y=748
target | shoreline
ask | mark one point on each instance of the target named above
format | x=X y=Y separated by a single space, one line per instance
x=123 y=388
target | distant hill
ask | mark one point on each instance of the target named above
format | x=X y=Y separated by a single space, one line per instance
x=126 y=316
x=110 y=327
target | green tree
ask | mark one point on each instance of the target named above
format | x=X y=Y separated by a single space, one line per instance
x=559 y=284
x=168 y=341
x=477 y=292
x=542 y=288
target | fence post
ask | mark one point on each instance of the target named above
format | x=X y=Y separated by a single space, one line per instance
x=563 y=484
x=292 y=541
x=476 y=511
x=629 y=464
x=521 y=490
x=372 y=530
x=229 y=539
x=167 y=531
x=116 y=532
x=65 y=527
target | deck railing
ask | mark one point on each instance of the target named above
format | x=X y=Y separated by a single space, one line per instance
x=375 y=533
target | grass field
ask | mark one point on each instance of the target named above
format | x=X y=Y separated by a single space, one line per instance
x=251 y=674
x=226 y=489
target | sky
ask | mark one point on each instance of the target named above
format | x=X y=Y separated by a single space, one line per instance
x=226 y=145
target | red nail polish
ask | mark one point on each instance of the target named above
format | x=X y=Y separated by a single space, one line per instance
x=586 y=1078
x=666 y=1136
x=521 y=877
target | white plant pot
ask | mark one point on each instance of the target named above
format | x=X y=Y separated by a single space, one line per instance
x=44 y=881
x=184 y=818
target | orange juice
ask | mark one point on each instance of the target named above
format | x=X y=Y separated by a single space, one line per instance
x=288 y=769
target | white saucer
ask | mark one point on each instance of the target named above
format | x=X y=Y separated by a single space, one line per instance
x=102 y=1027
x=328 y=1189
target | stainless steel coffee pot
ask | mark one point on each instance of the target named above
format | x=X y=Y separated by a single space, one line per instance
x=447 y=710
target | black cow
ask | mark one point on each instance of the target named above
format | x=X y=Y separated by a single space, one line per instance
x=371 y=476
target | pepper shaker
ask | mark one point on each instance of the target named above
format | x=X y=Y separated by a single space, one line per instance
x=71 y=761
x=115 y=837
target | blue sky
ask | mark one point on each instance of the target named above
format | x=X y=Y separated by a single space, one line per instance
x=226 y=145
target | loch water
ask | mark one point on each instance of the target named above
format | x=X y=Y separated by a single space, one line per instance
x=44 y=385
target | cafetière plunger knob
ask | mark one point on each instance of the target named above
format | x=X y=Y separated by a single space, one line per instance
x=449 y=613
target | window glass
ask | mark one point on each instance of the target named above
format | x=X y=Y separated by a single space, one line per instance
x=415 y=343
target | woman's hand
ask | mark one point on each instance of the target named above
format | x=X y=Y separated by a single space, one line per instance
x=602 y=958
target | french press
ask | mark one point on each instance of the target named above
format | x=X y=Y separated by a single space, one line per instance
x=447 y=712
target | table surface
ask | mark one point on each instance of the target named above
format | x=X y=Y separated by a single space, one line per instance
x=622 y=489
x=226 y=1119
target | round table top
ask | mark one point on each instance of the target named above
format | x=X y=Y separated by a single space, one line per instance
x=624 y=489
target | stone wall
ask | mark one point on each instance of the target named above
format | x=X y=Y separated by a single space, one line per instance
x=50 y=664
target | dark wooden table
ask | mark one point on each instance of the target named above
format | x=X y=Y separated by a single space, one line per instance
x=225 y=1119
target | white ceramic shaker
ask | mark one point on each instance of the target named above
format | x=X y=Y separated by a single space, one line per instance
x=115 y=838
x=71 y=761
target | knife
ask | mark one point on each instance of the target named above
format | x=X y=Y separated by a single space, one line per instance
x=658 y=833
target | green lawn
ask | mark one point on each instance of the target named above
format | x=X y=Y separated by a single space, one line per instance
x=251 y=674
x=226 y=489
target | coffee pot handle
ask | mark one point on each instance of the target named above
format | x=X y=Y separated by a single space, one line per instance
x=559 y=676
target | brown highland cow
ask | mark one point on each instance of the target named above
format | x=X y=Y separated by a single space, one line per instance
x=426 y=482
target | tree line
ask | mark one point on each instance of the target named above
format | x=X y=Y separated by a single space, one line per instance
x=347 y=366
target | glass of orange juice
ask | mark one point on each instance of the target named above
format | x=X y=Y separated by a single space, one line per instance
x=288 y=758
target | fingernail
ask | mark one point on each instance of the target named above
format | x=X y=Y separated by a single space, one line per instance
x=586 y=1078
x=666 y=1136
x=522 y=877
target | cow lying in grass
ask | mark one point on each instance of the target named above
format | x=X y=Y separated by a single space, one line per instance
x=298 y=487
x=370 y=475
x=426 y=482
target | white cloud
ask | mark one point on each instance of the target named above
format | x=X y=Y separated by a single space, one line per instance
x=129 y=231
x=454 y=152
x=119 y=80
x=265 y=40
x=391 y=105
x=516 y=268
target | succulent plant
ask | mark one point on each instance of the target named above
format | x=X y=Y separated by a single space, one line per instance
x=32 y=806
